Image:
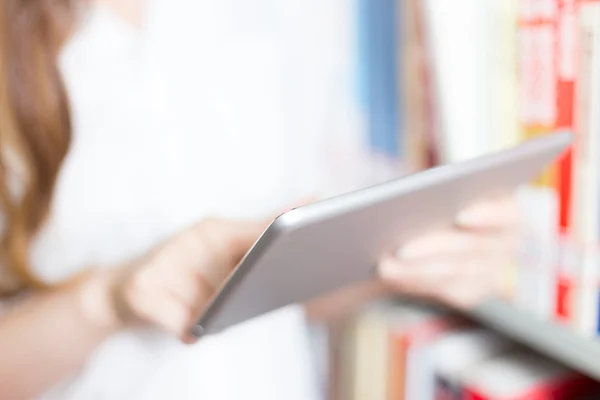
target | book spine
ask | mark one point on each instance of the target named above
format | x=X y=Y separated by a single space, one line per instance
x=586 y=164
x=370 y=360
x=503 y=20
x=566 y=67
x=472 y=394
x=566 y=387
x=432 y=131
x=413 y=81
x=592 y=261
x=447 y=389
x=380 y=55
x=537 y=77
x=579 y=154
x=397 y=366
x=419 y=368
x=591 y=269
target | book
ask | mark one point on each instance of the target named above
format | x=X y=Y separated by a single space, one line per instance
x=520 y=374
x=386 y=348
x=567 y=68
x=403 y=349
x=380 y=54
x=476 y=77
x=457 y=353
x=420 y=129
x=536 y=77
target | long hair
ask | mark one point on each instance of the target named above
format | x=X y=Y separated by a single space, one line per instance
x=35 y=127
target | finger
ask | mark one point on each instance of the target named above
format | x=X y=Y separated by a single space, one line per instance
x=443 y=267
x=188 y=286
x=481 y=281
x=452 y=241
x=224 y=242
x=237 y=237
x=467 y=291
x=416 y=278
x=458 y=293
x=466 y=294
x=229 y=240
x=446 y=240
x=439 y=277
x=166 y=312
x=200 y=258
x=182 y=265
x=252 y=226
x=500 y=213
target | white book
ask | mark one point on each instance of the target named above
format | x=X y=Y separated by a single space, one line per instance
x=503 y=126
x=586 y=204
x=455 y=354
x=538 y=251
x=537 y=113
x=457 y=37
x=370 y=347
x=419 y=330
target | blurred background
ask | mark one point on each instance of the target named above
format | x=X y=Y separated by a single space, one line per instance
x=428 y=82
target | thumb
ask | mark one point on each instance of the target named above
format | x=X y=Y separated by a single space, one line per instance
x=241 y=235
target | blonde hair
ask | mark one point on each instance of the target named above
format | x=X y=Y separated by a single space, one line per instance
x=35 y=127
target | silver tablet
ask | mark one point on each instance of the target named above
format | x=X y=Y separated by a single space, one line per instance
x=333 y=243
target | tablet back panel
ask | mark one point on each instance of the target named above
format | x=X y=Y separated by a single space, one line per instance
x=336 y=242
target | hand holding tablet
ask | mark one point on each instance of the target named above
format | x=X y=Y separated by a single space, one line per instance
x=462 y=263
x=335 y=243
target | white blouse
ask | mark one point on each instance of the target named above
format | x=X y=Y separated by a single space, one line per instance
x=190 y=116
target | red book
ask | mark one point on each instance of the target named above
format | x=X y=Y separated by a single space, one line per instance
x=524 y=375
x=566 y=50
x=410 y=338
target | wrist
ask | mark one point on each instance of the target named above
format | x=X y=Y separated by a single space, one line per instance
x=95 y=294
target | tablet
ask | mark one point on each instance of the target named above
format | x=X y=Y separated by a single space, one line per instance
x=331 y=244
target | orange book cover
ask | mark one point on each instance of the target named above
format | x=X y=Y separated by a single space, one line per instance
x=396 y=369
x=408 y=339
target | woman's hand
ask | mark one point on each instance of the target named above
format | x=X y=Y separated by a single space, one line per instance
x=458 y=266
x=461 y=265
x=167 y=288
x=171 y=285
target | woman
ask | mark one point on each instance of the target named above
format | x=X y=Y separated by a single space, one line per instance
x=108 y=247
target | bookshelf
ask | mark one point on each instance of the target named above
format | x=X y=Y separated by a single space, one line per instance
x=475 y=77
x=548 y=338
